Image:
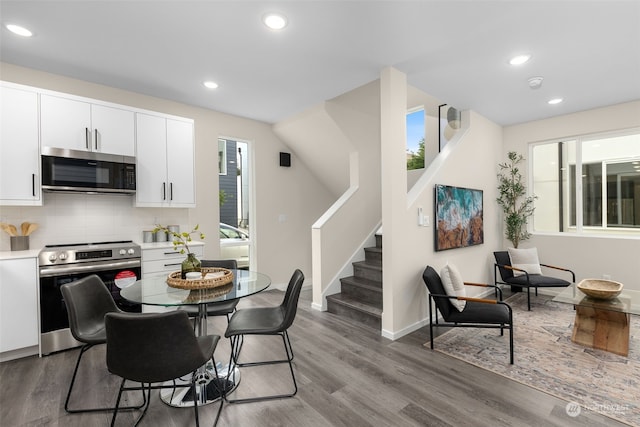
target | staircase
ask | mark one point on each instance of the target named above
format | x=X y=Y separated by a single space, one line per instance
x=361 y=296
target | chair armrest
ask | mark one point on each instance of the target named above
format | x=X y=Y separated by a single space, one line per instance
x=482 y=300
x=573 y=275
x=484 y=285
x=479 y=284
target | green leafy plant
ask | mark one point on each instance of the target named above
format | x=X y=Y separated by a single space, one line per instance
x=513 y=199
x=180 y=240
x=416 y=160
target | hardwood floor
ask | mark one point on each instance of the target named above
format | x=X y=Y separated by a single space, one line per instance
x=347 y=376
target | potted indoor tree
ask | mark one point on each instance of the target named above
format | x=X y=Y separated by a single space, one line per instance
x=513 y=199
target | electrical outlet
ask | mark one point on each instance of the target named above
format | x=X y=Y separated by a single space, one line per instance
x=606 y=276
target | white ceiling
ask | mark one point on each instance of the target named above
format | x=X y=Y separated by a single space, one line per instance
x=457 y=51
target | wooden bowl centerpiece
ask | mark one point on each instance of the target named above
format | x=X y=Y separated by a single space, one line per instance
x=600 y=288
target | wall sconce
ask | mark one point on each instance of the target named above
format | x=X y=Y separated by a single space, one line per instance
x=454 y=117
x=449 y=121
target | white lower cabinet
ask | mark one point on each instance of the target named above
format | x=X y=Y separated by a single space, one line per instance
x=18 y=304
x=160 y=260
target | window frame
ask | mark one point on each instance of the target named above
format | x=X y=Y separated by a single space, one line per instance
x=565 y=192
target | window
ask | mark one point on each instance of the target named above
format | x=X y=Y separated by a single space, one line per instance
x=587 y=184
x=415 y=139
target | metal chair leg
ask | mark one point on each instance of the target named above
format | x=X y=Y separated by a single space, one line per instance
x=235 y=346
x=73 y=380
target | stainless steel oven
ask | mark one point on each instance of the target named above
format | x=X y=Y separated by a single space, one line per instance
x=116 y=263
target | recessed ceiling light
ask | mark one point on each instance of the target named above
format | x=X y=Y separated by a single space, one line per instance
x=555 y=101
x=211 y=85
x=274 y=21
x=519 y=60
x=17 y=29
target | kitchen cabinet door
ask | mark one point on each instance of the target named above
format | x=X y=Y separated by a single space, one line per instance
x=65 y=123
x=180 y=163
x=113 y=130
x=151 y=160
x=75 y=124
x=164 y=162
x=19 y=147
x=18 y=304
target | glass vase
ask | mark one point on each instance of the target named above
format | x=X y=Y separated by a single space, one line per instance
x=190 y=264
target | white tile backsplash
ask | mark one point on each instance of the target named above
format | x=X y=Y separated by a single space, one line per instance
x=80 y=218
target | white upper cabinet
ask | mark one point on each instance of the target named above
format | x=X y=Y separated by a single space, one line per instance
x=78 y=124
x=164 y=162
x=19 y=146
x=180 y=163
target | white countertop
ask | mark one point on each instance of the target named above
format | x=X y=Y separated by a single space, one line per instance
x=158 y=245
x=31 y=253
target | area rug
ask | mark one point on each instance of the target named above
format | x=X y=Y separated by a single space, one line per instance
x=547 y=359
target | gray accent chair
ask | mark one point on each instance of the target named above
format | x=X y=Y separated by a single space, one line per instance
x=528 y=281
x=477 y=313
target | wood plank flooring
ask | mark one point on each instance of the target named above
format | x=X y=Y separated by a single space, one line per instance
x=348 y=376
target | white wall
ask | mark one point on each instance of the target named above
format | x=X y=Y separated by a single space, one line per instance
x=408 y=248
x=589 y=256
x=283 y=210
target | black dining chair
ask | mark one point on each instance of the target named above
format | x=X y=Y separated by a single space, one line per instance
x=155 y=348
x=88 y=300
x=266 y=321
x=222 y=308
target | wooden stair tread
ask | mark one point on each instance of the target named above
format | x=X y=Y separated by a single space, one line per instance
x=365 y=264
x=373 y=285
x=355 y=304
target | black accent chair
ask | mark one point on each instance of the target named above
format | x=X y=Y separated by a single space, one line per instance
x=503 y=265
x=266 y=321
x=222 y=308
x=88 y=300
x=477 y=313
x=154 y=348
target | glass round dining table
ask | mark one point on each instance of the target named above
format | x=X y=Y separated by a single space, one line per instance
x=155 y=291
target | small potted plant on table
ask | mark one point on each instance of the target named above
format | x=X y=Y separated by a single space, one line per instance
x=181 y=244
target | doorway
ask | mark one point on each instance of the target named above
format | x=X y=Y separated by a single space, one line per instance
x=235 y=196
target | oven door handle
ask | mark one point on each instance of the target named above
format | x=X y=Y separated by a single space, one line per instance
x=88 y=267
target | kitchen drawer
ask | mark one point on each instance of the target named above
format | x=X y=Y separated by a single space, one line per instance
x=164 y=260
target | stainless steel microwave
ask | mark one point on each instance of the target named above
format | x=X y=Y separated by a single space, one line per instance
x=87 y=172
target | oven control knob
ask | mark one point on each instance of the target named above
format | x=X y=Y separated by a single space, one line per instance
x=123 y=252
x=62 y=256
x=131 y=251
x=53 y=257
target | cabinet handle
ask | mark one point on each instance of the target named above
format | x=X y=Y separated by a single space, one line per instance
x=171 y=265
x=171 y=191
x=95 y=131
x=33 y=184
x=86 y=138
x=164 y=191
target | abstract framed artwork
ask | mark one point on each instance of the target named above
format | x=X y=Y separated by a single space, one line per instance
x=458 y=214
